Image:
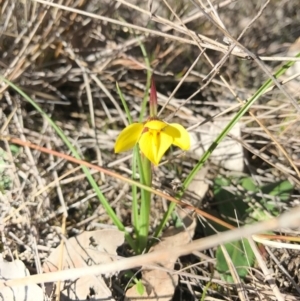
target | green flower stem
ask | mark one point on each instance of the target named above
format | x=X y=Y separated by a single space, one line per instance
x=146 y=177
x=135 y=205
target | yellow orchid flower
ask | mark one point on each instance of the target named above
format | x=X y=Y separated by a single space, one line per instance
x=154 y=138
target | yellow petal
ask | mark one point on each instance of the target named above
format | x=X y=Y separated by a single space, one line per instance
x=155 y=125
x=153 y=145
x=180 y=135
x=128 y=137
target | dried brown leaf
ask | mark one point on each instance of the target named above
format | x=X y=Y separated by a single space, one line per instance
x=88 y=248
x=17 y=269
x=160 y=284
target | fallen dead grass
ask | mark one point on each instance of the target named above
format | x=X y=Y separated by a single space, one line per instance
x=68 y=56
